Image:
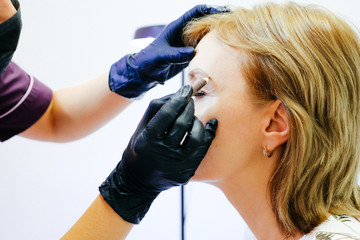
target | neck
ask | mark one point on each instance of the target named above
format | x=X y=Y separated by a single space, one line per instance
x=252 y=201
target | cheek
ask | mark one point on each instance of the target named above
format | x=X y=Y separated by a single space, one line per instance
x=234 y=139
x=205 y=108
x=217 y=163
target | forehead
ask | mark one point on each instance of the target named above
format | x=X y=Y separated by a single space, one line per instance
x=219 y=61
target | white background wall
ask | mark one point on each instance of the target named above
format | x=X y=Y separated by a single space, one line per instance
x=46 y=186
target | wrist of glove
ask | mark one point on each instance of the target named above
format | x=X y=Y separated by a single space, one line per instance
x=165 y=151
x=121 y=194
x=125 y=79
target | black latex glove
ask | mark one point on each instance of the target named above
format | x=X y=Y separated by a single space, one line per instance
x=165 y=57
x=157 y=158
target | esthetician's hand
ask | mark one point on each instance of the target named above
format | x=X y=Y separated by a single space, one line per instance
x=165 y=57
x=157 y=158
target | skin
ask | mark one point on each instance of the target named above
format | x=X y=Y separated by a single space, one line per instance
x=235 y=162
x=7 y=10
x=99 y=222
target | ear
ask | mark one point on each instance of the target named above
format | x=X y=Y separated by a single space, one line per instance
x=276 y=128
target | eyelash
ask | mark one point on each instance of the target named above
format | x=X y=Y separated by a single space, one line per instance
x=200 y=93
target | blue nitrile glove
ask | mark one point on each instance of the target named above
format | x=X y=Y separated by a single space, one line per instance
x=157 y=158
x=165 y=57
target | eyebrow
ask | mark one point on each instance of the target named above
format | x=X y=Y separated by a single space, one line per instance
x=199 y=70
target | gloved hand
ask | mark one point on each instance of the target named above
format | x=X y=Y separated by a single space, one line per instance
x=165 y=57
x=156 y=158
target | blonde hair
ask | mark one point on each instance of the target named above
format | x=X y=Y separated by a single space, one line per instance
x=309 y=59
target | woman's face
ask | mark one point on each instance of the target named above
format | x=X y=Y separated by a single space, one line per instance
x=227 y=98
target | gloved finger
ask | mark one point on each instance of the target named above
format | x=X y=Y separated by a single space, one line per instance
x=210 y=130
x=213 y=9
x=176 y=55
x=196 y=146
x=182 y=125
x=169 y=112
x=154 y=107
x=194 y=137
x=171 y=55
x=173 y=31
x=197 y=12
x=208 y=137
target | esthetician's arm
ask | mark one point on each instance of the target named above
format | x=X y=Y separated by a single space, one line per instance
x=77 y=111
x=99 y=222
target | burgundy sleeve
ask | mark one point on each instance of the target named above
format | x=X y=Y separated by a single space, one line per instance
x=23 y=100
